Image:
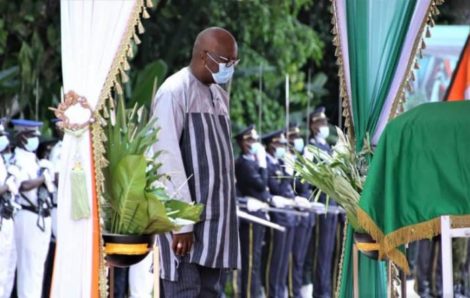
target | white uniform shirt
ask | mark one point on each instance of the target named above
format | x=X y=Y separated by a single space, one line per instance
x=3 y=171
x=27 y=163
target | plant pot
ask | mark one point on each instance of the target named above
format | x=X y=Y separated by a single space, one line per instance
x=366 y=245
x=126 y=250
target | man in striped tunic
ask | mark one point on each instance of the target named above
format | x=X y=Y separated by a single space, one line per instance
x=192 y=111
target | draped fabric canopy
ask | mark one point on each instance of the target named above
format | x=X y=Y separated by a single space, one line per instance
x=420 y=171
x=377 y=43
x=96 y=37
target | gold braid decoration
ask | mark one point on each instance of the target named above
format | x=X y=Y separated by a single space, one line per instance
x=118 y=68
x=343 y=93
x=389 y=243
x=416 y=54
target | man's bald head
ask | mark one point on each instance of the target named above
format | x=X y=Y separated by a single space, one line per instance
x=216 y=42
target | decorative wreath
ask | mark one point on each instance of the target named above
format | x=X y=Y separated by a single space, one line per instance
x=74 y=112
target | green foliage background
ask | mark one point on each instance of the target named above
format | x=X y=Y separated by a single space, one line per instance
x=277 y=36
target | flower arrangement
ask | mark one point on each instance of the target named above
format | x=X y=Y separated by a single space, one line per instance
x=136 y=200
x=340 y=175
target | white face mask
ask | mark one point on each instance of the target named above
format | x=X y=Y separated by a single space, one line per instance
x=32 y=144
x=4 y=142
x=254 y=148
x=225 y=73
x=324 y=132
x=299 y=145
x=280 y=152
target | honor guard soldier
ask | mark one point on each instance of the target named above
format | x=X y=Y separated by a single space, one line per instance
x=280 y=243
x=252 y=185
x=32 y=222
x=8 y=189
x=303 y=231
x=325 y=234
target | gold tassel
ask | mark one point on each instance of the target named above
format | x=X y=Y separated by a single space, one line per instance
x=124 y=76
x=409 y=86
x=130 y=53
x=118 y=88
x=136 y=38
x=342 y=93
x=336 y=52
x=149 y=3
x=145 y=13
x=111 y=101
x=428 y=32
x=423 y=44
x=334 y=30
x=105 y=113
x=140 y=27
x=335 y=41
x=412 y=76
x=431 y=22
x=125 y=65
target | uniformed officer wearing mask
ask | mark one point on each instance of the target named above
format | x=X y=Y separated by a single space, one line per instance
x=325 y=234
x=32 y=222
x=280 y=244
x=8 y=189
x=252 y=185
x=303 y=231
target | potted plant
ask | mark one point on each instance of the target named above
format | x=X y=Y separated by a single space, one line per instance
x=136 y=203
x=341 y=176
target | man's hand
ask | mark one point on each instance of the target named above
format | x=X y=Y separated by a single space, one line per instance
x=182 y=243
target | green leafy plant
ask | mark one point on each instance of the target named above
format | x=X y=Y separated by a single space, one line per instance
x=340 y=176
x=137 y=201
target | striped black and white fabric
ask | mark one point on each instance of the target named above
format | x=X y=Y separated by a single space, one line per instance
x=196 y=140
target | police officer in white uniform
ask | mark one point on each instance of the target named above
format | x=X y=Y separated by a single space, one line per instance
x=32 y=222
x=8 y=188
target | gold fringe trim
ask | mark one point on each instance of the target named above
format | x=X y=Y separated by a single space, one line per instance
x=341 y=260
x=416 y=53
x=346 y=108
x=118 y=68
x=389 y=243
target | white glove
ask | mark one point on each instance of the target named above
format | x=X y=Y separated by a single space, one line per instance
x=281 y=202
x=254 y=205
x=14 y=170
x=302 y=202
x=320 y=208
x=261 y=156
x=12 y=186
x=48 y=181
x=46 y=164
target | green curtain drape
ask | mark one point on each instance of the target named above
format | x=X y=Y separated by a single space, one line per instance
x=376 y=31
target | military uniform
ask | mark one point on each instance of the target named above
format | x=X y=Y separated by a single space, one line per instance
x=303 y=231
x=321 y=255
x=7 y=236
x=280 y=244
x=251 y=181
x=32 y=222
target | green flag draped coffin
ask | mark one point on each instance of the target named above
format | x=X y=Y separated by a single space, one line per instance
x=420 y=171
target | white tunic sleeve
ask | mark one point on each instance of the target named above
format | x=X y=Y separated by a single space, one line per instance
x=170 y=118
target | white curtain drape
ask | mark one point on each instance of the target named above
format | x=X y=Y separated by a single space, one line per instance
x=91 y=32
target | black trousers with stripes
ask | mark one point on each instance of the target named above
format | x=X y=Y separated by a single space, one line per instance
x=251 y=242
x=302 y=236
x=323 y=274
x=195 y=281
x=277 y=267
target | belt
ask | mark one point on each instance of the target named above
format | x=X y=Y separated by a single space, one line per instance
x=42 y=214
